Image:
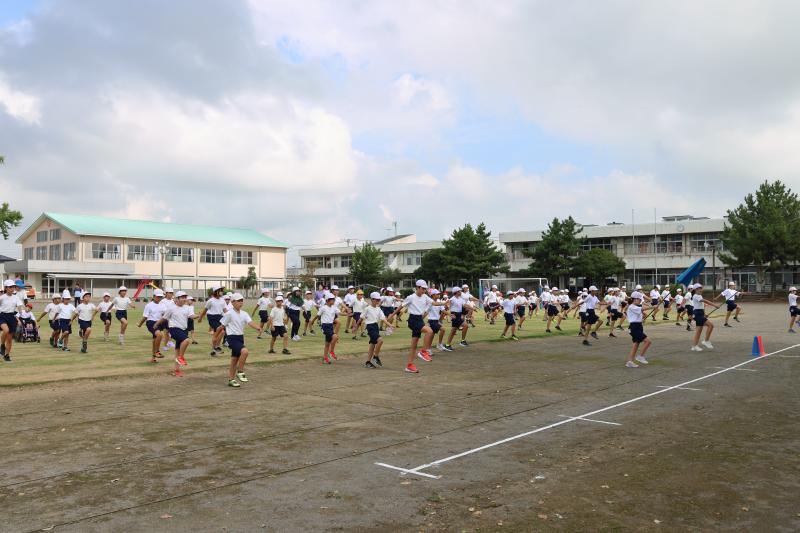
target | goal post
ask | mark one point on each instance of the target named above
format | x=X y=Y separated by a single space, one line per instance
x=511 y=284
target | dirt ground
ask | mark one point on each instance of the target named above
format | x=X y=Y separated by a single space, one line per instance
x=295 y=449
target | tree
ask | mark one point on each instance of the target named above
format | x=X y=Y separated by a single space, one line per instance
x=468 y=255
x=249 y=281
x=8 y=217
x=390 y=276
x=597 y=265
x=307 y=275
x=366 y=264
x=553 y=257
x=762 y=231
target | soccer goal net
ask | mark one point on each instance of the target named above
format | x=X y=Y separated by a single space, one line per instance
x=511 y=284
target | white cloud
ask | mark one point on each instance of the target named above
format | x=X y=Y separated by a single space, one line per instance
x=18 y=104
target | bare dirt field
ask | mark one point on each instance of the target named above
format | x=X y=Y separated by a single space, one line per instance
x=296 y=448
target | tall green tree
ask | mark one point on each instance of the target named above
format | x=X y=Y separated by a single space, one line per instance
x=469 y=254
x=597 y=265
x=390 y=276
x=554 y=256
x=8 y=217
x=366 y=264
x=249 y=281
x=762 y=231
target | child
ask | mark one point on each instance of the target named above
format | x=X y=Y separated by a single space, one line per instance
x=51 y=310
x=522 y=306
x=700 y=319
x=434 y=314
x=509 y=313
x=293 y=307
x=592 y=302
x=792 y=308
x=349 y=300
x=327 y=316
x=372 y=317
x=666 y=297
x=636 y=321
x=152 y=314
x=387 y=305
x=549 y=298
x=65 y=314
x=417 y=304
x=730 y=295
x=214 y=309
x=655 y=298
x=234 y=323
x=177 y=319
x=689 y=307
x=121 y=304
x=679 y=308
x=308 y=305
x=10 y=305
x=105 y=314
x=190 y=322
x=614 y=312
x=533 y=304
x=358 y=307
x=263 y=305
x=456 y=306
x=277 y=326
x=85 y=312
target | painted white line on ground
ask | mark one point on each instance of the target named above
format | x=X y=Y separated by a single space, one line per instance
x=740 y=369
x=418 y=470
x=676 y=388
x=789 y=356
x=590 y=420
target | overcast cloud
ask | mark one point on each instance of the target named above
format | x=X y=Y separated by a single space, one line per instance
x=318 y=121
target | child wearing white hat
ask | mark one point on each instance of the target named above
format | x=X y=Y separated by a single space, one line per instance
x=793 y=312
x=689 y=306
x=263 y=305
x=66 y=312
x=214 y=309
x=680 y=309
x=701 y=321
x=121 y=303
x=456 y=306
x=177 y=319
x=85 y=313
x=730 y=294
x=308 y=306
x=105 y=306
x=373 y=317
x=276 y=323
x=51 y=310
x=151 y=315
x=636 y=319
x=592 y=303
x=234 y=323
x=10 y=305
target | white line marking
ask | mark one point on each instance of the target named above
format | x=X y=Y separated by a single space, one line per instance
x=590 y=420
x=406 y=471
x=676 y=388
x=789 y=356
x=417 y=470
x=740 y=369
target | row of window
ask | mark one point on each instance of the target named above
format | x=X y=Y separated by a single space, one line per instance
x=55 y=235
x=137 y=252
x=641 y=245
x=344 y=261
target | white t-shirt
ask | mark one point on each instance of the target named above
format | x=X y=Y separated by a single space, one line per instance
x=121 y=303
x=52 y=311
x=665 y=295
x=308 y=305
x=278 y=316
x=792 y=300
x=697 y=301
x=86 y=311
x=154 y=311
x=264 y=303
x=215 y=306
x=360 y=305
x=509 y=305
x=634 y=313
x=654 y=294
x=349 y=299
x=679 y=299
x=492 y=297
x=66 y=311
x=457 y=304
x=546 y=297
x=105 y=306
x=730 y=294
x=235 y=322
x=178 y=316
x=417 y=305
x=328 y=313
x=10 y=303
x=373 y=315
x=613 y=302
x=591 y=302
x=434 y=311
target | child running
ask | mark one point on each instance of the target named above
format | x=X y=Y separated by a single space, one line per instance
x=328 y=314
x=372 y=318
x=666 y=297
x=66 y=312
x=358 y=308
x=234 y=323
x=592 y=302
x=679 y=307
x=510 y=305
x=151 y=315
x=105 y=306
x=177 y=319
x=85 y=313
x=636 y=320
x=522 y=306
x=121 y=304
x=700 y=319
x=793 y=313
x=456 y=306
x=51 y=310
x=730 y=295
x=308 y=305
x=263 y=305
x=417 y=304
x=214 y=309
x=10 y=305
x=277 y=326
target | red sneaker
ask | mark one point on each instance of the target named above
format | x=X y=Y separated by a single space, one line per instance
x=158 y=354
x=178 y=373
x=411 y=368
x=334 y=356
x=326 y=361
x=425 y=356
x=181 y=361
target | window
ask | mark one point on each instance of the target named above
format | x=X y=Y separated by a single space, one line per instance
x=698 y=240
x=241 y=257
x=177 y=254
x=41 y=236
x=55 y=234
x=104 y=250
x=212 y=255
x=41 y=253
x=69 y=251
x=28 y=253
x=590 y=244
x=649 y=244
x=142 y=252
x=346 y=259
x=312 y=263
x=413 y=258
x=55 y=252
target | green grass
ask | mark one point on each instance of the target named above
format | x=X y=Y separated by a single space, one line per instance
x=38 y=363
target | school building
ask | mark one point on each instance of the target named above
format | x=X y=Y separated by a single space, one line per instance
x=656 y=252
x=331 y=265
x=62 y=250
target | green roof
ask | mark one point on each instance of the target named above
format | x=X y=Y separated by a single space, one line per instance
x=163 y=231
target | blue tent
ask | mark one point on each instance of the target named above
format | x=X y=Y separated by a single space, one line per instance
x=692 y=272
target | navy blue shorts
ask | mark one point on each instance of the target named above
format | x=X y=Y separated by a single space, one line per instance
x=637 y=332
x=615 y=314
x=121 y=315
x=654 y=303
x=356 y=316
x=700 y=317
x=374 y=333
x=521 y=311
x=731 y=305
x=415 y=324
x=9 y=319
x=307 y=316
x=689 y=309
x=564 y=306
x=457 y=319
x=582 y=314
x=54 y=324
x=65 y=324
x=509 y=319
x=278 y=331
x=387 y=310
x=327 y=329
x=236 y=343
x=105 y=317
x=178 y=335
x=793 y=311
x=591 y=316
x=151 y=327
x=434 y=325
x=263 y=314
x=84 y=324
x=552 y=310
x=213 y=321
x=190 y=324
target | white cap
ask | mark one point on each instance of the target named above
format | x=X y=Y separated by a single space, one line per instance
x=329 y=296
x=295 y=288
x=636 y=295
x=65 y=295
x=227 y=297
x=236 y=297
x=190 y=297
x=9 y=283
x=389 y=289
x=169 y=289
x=334 y=287
x=158 y=292
x=309 y=292
x=421 y=283
x=122 y=288
x=554 y=289
x=678 y=290
x=731 y=283
x=658 y=286
x=592 y=288
x=520 y=290
x=264 y=291
x=279 y=293
x=215 y=288
x=465 y=286
x=792 y=289
x=494 y=286
x=434 y=292
x=350 y=287
x=638 y=288
x=456 y=289
x=585 y=290
x=57 y=295
x=106 y=294
x=375 y=295
x=180 y=294
x=279 y=298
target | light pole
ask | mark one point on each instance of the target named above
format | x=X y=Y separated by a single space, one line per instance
x=161 y=249
x=706 y=246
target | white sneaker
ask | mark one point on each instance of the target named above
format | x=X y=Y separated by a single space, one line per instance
x=707 y=345
x=641 y=359
x=697 y=349
x=296 y=338
x=440 y=347
x=631 y=364
x=122 y=339
x=171 y=344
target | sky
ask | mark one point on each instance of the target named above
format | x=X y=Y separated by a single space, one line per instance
x=316 y=122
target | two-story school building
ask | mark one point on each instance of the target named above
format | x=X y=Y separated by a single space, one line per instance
x=100 y=253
